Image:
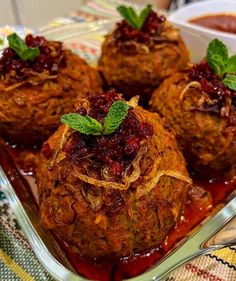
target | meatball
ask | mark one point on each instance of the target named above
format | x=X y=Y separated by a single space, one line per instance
x=33 y=95
x=194 y=104
x=136 y=61
x=112 y=195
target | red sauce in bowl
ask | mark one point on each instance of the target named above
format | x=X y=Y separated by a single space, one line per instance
x=221 y=22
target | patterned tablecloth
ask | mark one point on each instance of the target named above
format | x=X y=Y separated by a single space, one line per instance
x=17 y=260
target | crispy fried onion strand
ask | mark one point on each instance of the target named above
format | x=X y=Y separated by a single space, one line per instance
x=205 y=99
x=133 y=102
x=193 y=84
x=34 y=79
x=60 y=145
x=111 y=184
x=146 y=187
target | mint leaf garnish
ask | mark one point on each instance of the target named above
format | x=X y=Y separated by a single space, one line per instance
x=217 y=56
x=144 y=14
x=129 y=15
x=90 y=126
x=19 y=46
x=230 y=81
x=115 y=116
x=1 y=41
x=84 y=124
x=222 y=65
x=132 y=18
x=231 y=65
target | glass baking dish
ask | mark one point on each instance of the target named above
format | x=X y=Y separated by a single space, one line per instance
x=21 y=190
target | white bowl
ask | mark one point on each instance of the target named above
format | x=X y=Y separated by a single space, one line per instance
x=197 y=37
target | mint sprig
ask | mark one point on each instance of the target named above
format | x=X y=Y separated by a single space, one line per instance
x=115 y=116
x=132 y=18
x=230 y=81
x=19 y=46
x=222 y=65
x=90 y=126
x=84 y=124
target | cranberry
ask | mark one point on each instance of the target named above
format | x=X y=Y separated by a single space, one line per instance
x=146 y=130
x=41 y=58
x=8 y=53
x=116 y=169
x=46 y=150
x=212 y=86
x=113 y=142
x=132 y=145
x=82 y=111
x=151 y=28
x=116 y=150
x=50 y=59
x=29 y=40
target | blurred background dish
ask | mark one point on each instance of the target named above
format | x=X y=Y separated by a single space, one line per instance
x=197 y=37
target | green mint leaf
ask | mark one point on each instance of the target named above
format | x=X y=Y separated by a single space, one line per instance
x=16 y=43
x=1 y=41
x=144 y=14
x=30 y=54
x=217 y=64
x=19 y=46
x=115 y=116
x=128 y=14
x=230 y=81
x=231 y=65
x=217 y=56
x=84 y=124
x=131 y=17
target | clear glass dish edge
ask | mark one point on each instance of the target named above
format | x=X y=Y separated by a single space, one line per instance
x=55 y=268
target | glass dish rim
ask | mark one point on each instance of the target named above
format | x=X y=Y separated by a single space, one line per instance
x=51 y=264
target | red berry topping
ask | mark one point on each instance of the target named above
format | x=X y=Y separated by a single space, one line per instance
x=214 y=88
x=151 y=28
x=13 y=69
x=46 y=150
x=115 y=151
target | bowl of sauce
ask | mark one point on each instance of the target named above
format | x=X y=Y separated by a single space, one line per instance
x=203 y=21
x=220 y=22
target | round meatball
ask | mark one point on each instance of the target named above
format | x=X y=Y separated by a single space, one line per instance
x=31 y=106
x=112 y=195
x=136 y=61
x=202 y=124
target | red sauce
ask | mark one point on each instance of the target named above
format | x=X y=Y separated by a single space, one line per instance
x=221 y=22
x=118 y=269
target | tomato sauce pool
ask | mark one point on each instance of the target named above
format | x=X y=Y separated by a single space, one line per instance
x=118 y=269
x=221 y=22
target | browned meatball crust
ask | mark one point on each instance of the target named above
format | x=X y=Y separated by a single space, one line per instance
x=207 y=140
x=138 y=68
x=30 y=114
x=98 y=217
